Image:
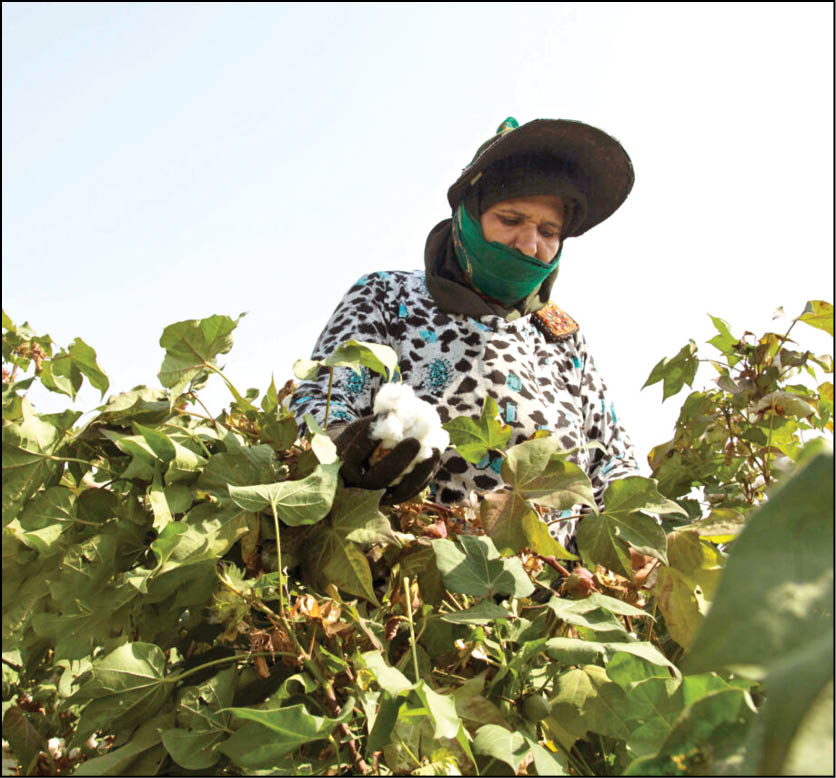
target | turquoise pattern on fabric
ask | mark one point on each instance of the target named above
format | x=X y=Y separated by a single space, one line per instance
x=510 y=412
x=402 y=311
x=513 y=382
x=438 y=375
x=356 y=383
x=428 y=336
x=609 y=466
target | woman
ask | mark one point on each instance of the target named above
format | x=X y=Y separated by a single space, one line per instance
x=478 y=319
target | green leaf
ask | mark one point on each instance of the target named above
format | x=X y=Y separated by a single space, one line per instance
x=479 y=570
x=246 y=466
x=725 y=341
x=675 y=371
x=572 y=647
x=474 y=439
x=675 y=596
x=306 y=501
x=603 y=539
x=269 y=735
x=441 y=710
x=306 y=369
x=594 y=612
x=484 y=612
x=142 y=455
x=628 y=671
x=537 y=470
x=497 y=742
x=55 y=504
x=27 y=448
x=656 y=706
x=545 y=762
x=772 y=616
x=127 y=687
x=356 y=354
x=356 y=516
x=192 y=749
x=331 y=558
x=538 y=539
x=722 y=525
x=502 y=514
x=159 y=504
x=473 y=706
x=191 y=347
x=141 y=404
x=390 y=679
x=61 y=375
x=157 y=441
x=25 y=741
x=712 y=728
x=200 y=724
x=84 y=359
x=125 y=759
x=818 y=314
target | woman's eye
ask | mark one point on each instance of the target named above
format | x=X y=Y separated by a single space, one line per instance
x=548 y=234
x=509 y=220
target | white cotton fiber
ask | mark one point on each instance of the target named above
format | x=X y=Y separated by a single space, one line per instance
x=403 y=415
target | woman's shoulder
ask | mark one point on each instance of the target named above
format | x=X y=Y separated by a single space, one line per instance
x=390 y=277
x=392 y=282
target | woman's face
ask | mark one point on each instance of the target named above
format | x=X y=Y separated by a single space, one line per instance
x=529 y=224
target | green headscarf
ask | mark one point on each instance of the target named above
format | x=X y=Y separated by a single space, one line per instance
x=493 y=269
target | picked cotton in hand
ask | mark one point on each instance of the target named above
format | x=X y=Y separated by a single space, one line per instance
x=403 y=415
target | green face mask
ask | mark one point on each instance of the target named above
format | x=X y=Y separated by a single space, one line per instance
x=496 y=270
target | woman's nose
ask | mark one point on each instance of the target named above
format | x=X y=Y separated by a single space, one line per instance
x=527 y=240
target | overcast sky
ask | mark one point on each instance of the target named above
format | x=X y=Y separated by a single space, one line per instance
x=168 y=161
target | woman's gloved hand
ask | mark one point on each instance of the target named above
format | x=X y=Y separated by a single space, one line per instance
x=355 y=446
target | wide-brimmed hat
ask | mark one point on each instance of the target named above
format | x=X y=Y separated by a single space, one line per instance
x=595 y=162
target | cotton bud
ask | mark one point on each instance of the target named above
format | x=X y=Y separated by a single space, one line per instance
x=55 y=746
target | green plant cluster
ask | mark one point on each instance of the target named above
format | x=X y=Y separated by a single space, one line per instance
x=186 y=594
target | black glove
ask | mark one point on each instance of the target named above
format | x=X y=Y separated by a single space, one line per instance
x=355 y=445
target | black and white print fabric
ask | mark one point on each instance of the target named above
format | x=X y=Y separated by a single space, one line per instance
x=452 y=361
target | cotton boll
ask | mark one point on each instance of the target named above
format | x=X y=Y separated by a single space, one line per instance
x=391 y=396
x=403 y=415
x=388 y=429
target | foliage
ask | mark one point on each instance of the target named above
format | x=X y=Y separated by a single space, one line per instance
x=188 y=595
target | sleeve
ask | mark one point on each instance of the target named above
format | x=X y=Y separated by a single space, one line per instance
x=601 y=424
x=360 y=315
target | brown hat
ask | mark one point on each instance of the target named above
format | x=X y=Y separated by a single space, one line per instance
x=584 y=164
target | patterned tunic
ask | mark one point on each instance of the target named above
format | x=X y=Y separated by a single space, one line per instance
x=452 y=361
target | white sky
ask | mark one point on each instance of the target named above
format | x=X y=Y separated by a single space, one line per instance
x=167 y=161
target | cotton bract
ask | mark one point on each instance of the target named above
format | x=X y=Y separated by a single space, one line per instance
x=403 y=415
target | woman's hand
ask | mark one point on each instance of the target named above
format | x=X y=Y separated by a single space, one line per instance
x=355 y=447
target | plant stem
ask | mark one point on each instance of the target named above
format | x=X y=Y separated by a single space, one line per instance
x=603 y=753
x=186 y=673
x=279 y=558
x=54 y=458
x=200 y=403
x=408 y=596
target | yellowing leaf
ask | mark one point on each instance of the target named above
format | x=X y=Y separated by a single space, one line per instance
x=818 y=314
